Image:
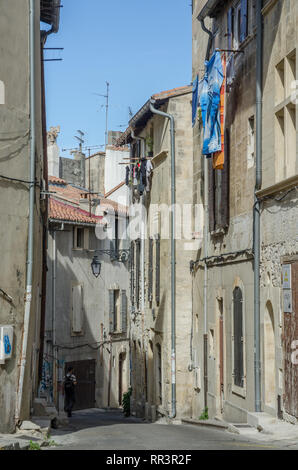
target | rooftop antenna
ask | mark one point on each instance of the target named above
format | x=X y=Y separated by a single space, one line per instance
x=107 y=110
x=80 y=139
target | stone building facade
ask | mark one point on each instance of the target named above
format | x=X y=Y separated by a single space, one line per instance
x=230 y=292
x=15 y=147
x=150 y=319
x=86 y=316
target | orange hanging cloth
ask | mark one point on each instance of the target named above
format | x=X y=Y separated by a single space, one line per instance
x=219 y=157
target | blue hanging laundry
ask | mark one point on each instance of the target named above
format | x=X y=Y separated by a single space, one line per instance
x=210 y=104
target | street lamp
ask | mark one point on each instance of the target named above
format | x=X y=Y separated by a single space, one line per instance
x=96 y=266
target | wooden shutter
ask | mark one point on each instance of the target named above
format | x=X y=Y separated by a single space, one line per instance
x=86 y=238
x=111 y=310
x=123 y=311
x=224 y=206
x=230 y=28
x=77 y=309
x=138 y=273
x=150 y=270
x=211 y=195
x=157 y=271
x=244 y=17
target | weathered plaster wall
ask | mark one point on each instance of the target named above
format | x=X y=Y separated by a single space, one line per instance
x=14 y=201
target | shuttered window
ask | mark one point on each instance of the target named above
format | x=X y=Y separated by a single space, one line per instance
x=138 y=259
x=111 y=310
x=123 y=311
x=238 y=337
x=219 y=191
x=77 y=307
x=157 y=271
x=132 y=273
x=244 y=20
x=230 y=28
x=150 y=270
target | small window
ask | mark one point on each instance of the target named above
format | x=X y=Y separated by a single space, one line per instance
x=159 y=373
x=81 y=238
x=251 y=143
x=77 y=309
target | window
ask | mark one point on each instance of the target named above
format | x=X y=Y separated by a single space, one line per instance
x=159 y=374
x=251 y=143
x=237 y=24
x=81 y=238
x=118 y=311
x=219 y=185
x=285 y=118
x=238 y=338
x=157 y=270
x=77 y=309
x=150 y=270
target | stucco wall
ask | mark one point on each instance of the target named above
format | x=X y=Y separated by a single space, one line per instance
x=14 y=201
x=74 y=266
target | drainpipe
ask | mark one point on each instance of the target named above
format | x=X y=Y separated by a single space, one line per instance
x=256 y=229
x=173 y=256
x=54 y=276
x=29 y=274
x=206 y=232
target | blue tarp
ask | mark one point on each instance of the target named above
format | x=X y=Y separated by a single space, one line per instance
x=210 y=104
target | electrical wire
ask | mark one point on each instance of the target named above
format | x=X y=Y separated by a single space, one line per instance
x=19 y=180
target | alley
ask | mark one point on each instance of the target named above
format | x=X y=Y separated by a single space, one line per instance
x=108 y=430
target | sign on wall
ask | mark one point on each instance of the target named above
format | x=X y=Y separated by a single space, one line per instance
x=287 y=297
x=286 y=276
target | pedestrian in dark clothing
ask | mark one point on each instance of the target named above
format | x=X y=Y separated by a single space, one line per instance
x=69 y=388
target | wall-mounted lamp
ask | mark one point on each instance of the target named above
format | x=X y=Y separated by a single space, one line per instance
x=96 y=266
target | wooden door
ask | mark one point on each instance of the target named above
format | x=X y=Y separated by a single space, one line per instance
x=85 y=388
x=221 y=354
x=290 y=335
x=120 y=379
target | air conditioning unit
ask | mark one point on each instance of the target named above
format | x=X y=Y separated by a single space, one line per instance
x=6 y=342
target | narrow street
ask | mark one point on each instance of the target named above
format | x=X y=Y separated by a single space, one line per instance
x=109 y=430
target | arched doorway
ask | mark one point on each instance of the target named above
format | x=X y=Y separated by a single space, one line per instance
x=269 y=357
x=121 y=377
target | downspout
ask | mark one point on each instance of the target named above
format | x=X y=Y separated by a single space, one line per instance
x=29 y=274
x=54 y=276
x=173 y=256
x=206 y=231
x=256 y=227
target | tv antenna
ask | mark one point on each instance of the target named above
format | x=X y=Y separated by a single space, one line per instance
x=107 y=109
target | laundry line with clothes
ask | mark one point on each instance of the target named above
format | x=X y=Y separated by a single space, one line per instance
x=139 y=174
x=209 y=97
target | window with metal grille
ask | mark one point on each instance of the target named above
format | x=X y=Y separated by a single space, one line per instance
x=238 y=337
x=159 y=373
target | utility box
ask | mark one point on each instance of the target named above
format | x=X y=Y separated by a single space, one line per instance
x=6 y=342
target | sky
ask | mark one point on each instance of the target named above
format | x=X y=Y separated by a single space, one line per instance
x=140 y=47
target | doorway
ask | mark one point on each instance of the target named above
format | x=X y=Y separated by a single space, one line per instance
x=290 y=336
x=121 y=377
x=221 y=353
x=85 y=388
x=269 y=357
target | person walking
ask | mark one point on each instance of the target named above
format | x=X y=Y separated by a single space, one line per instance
x=70 y=382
